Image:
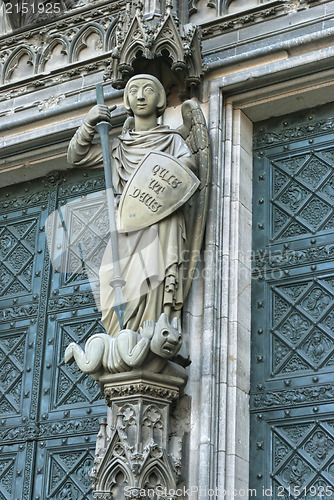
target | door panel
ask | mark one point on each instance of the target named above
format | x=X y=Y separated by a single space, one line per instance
x=53 y=232
x=63 y=466
x=292 y=389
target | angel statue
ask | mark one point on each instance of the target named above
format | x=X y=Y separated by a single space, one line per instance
x=161 y=176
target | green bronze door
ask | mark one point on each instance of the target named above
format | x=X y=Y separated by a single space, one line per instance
x=49 y=412
x=292 y=380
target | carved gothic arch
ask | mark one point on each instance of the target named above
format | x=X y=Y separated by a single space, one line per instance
x=79 y=41
x=47 y=52
x=115 y=458
x=169 y=43
x=134 y=42
x=110 y=473
x=114 y=478
x=13 y=62
x=156 y=467
x=225 y=6
x=109 y=35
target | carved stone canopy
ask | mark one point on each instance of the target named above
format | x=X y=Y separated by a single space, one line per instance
x=158 y=44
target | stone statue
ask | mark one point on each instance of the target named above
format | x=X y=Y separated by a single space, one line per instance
x=151 y=348
x=160 y=179
x=171 y=246
x=174 y=242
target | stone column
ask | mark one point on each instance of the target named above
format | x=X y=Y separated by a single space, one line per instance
x=134 y=449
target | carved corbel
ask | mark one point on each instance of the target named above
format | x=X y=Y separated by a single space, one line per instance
x=134 y=451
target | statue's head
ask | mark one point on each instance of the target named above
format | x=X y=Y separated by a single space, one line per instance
x=167 y=340
x=144 y=95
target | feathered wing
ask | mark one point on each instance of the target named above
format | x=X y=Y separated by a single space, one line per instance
x=195 y=133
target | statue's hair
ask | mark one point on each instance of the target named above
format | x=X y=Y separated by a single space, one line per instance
x=161 y=92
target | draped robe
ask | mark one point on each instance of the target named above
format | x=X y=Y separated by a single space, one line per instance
x=151 y=259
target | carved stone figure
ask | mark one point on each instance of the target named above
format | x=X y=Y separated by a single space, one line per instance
x=160 y=177
x=151 y=348
x=170 y=247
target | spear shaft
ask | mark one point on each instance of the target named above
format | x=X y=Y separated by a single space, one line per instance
x=117 y=282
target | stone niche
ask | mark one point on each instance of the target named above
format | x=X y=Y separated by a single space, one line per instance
x=20 y=65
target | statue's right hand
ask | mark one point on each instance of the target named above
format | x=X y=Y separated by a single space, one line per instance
x=99 y=113
x=148 y=329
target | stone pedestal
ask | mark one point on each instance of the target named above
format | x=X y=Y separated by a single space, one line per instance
x=134 y=449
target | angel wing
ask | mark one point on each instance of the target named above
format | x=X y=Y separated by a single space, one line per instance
x=194 y=131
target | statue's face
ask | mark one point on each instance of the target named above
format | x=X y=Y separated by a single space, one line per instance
x=166 y=342
x=143 y=97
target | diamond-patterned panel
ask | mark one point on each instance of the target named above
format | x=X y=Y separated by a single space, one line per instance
x=294 y=327
x=88 y=226
x=17 y=243
x=12 y=352
x=328 y=189
x=314 y=171
x=280 y=179
x=302 y=187
x=315 y=212
x=316 y=301
x=298 y=470
x=292 y=164
x=294 y=229
x=6 y=477
x=279 y=219
x=297 y=345
x=317 y=347
x=68 y=478
x=293 y=196
x=319 y=446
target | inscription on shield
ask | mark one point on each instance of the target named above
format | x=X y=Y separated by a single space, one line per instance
x=159 y=186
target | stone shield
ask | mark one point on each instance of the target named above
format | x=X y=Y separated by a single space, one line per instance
x=159 y=186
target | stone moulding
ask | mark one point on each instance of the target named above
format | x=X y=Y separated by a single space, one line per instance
x=237 y=20
x=134 y=449
x=141 y=382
